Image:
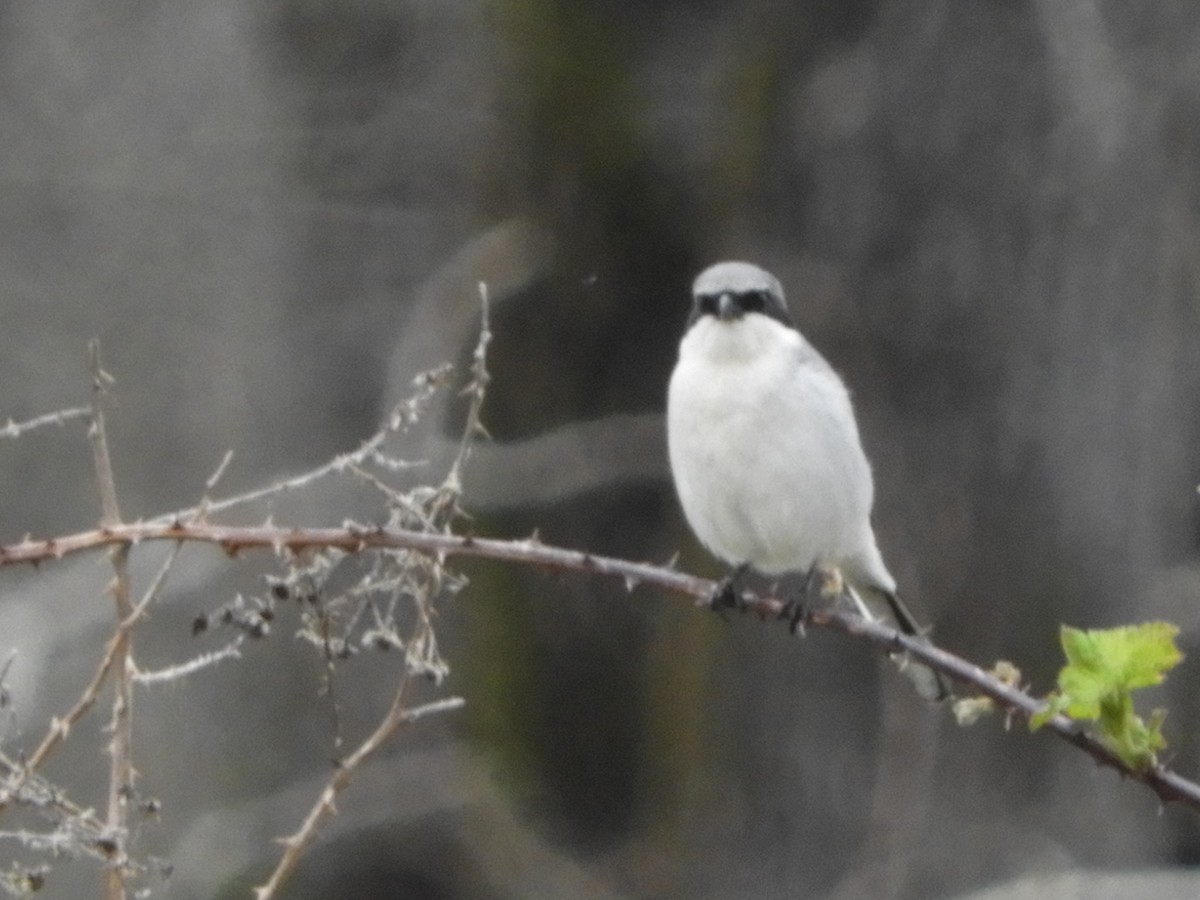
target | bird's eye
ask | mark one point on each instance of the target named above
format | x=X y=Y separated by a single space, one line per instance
x=708 y=304
x=754 y=301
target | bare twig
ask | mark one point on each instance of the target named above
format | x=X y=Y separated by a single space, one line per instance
x=476 y=390
x=19 y=784
x=232 y=650
x=120 y=776
x=401 y=416
x=213 y=479
x=234 y=539
x=61 y=727
x=1169 y=786
x=12 y=429
x=397 y=715
x=432 y=512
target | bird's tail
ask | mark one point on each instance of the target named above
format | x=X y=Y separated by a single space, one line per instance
x=929 y=683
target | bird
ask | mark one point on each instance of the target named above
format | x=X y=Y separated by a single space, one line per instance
x=765 y=452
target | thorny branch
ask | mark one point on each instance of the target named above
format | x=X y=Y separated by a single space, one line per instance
x=61 y=727
x=476 y=390
x=397 y=715
x=77 y=830
x=395 y=572
x=433 y=512
x=1169 y=786
x=402 y=415
x=120 y=775
x=418 y=527
x=28 y=788
x=12 y=429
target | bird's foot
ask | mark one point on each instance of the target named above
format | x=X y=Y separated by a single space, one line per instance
x=821 y=583
x=795 y=611
x=726 y=596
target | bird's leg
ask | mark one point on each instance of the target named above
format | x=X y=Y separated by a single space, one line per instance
x=821 y=582
x=726 y=595
x=860 y=607
x=796 y=608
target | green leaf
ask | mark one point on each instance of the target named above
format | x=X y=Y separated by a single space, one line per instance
x=1103 y=668
x=1131 y=656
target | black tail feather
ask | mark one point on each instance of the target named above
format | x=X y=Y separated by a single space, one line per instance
x=929 y=682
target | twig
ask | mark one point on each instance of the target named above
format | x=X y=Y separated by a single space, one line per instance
x=120 y=774
x=61 y=727
x=434 y=514
x=1169 y=786
x=231 y=650
x=234 y=539
x=397 y=715
x=402 y=415
x=476 y=390
x=213 y=479
x=13 y=429
x=20 y=785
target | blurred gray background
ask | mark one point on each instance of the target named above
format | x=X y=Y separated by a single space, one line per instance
x=274 y=215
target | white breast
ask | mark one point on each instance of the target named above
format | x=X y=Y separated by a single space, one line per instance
x=765 y=451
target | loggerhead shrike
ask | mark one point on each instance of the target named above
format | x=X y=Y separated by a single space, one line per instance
x=765 y=450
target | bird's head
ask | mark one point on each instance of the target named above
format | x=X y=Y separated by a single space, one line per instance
x=730 y=290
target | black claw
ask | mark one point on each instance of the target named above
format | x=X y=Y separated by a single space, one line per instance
x=795 y=613
x=727 y=596
x=796 y=610
x=724 y=597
